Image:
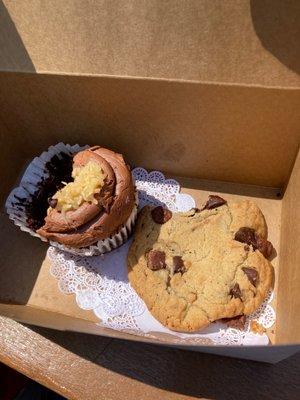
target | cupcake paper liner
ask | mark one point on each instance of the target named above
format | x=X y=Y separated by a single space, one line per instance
x=105 y=245
x=37 y=172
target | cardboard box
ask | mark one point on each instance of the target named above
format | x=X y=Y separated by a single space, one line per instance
x=204 y=91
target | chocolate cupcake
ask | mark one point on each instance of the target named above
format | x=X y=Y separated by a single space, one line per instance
x=81 y=200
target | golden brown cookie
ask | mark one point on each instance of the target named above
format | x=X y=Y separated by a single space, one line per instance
x=197 y=267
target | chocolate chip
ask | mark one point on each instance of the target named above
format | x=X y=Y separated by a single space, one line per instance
x=214 y=202
x=235 y=322
x=156 y=260
x=235 y=291
x=264 y=246
x=246 y=247
x=252 y=275
x=52 y=202
x=161 y=215
x=251 y=238
x=178 y=265
x=194 y=211
x=246 y=235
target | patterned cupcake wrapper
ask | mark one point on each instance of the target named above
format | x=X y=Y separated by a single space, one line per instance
x=105 y=245
x=37 y=172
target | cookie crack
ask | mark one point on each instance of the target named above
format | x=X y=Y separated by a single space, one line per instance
x=202 y=293
x=199 y=307
x=194 y=290
x=238 y=265
x=231 y=218
x=178 y=295
x=236 y=272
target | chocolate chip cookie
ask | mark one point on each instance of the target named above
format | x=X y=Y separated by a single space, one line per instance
x=200 y=266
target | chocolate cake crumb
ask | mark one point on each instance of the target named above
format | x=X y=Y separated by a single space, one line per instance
x=235 y=322
x=59 y=169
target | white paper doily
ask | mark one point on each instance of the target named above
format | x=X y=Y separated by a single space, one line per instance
x=100 y=283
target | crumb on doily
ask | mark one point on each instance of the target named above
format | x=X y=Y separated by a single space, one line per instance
x=235 y=322
x=255 y=327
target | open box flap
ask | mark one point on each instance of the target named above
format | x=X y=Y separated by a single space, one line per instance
x=251 y=42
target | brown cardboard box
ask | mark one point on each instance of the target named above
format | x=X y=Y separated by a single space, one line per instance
x=206 y=91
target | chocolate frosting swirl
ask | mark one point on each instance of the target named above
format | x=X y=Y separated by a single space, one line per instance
x=93 y=222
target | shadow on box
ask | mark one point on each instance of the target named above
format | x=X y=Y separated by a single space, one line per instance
x=20 y=251
x=277 y=25
x=184 y=372
x=18 y=275
x=12 y=44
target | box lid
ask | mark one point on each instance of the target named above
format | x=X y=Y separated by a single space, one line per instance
x=236 y=41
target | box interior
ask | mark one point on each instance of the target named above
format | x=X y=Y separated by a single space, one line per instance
x=207 y=92
x=210 y=144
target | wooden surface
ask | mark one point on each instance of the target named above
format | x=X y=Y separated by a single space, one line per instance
x=81 y=366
